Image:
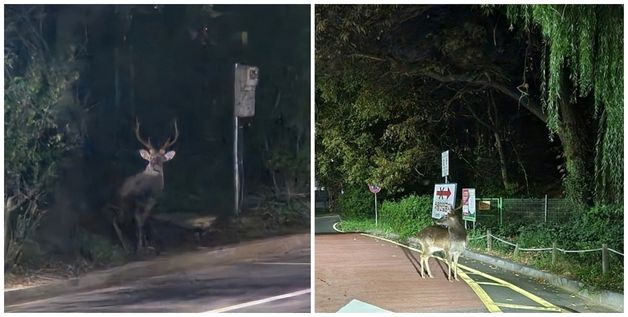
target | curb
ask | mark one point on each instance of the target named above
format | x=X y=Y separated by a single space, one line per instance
x=602 y=297
x=159 y=266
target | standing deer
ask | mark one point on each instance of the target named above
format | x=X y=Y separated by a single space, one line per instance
x=449 y=236
x=139 y=192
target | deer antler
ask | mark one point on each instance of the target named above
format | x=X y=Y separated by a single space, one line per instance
x=169 y=143
x=139 y=138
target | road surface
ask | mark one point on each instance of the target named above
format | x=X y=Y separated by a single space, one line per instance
x=275 y=283
x=362 y=273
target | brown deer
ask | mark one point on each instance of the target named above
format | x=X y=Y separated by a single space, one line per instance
x=449 y=236
x=139 y=192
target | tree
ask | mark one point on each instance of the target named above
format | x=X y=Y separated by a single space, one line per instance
x=584 y=48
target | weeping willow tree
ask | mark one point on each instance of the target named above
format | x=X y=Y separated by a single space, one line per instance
x=582 y=58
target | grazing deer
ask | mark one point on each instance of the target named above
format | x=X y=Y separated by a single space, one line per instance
x=139 y=192
x=449 y=236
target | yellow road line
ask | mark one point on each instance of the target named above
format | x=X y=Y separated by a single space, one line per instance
x=480 y=292
x=492 y=284
x=513 y=287
x=507 y=305
x=482 y=295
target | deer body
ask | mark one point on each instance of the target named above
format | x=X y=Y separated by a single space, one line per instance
x=448 y=236
x=139 y=192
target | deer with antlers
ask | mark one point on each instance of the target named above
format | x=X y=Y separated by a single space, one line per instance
x=139 y=192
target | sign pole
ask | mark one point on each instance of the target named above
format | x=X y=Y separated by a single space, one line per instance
x=375 y=209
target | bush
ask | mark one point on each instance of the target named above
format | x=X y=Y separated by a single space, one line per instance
x=356 y=203
x=408 y=215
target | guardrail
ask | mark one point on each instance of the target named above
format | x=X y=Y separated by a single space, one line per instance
x=554 y=249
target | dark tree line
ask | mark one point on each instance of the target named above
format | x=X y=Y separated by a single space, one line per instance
x=527 y=98
x=76 y=77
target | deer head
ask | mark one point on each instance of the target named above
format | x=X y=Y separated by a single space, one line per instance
x=156 y=157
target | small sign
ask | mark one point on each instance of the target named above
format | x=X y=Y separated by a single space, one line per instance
x=484 y=205
x=468 y=204
x=445 y=163
x=444 y=199
x=246 y=78
x=374 y=189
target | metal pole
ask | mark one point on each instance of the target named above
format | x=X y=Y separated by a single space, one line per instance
x=236 y=172
x=375 y=209
x=545 y=208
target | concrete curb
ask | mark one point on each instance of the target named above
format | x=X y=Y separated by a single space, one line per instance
x=602 y=297
x=159 y=266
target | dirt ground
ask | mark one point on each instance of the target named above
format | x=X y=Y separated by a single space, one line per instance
x=179 y=232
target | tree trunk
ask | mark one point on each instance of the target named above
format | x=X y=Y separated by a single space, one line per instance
x=576 y=148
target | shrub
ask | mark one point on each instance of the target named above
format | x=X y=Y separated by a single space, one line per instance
x=408 y=215
x=356 y=203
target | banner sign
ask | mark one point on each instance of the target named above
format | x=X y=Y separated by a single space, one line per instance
x=444 y=199
x=468 y=204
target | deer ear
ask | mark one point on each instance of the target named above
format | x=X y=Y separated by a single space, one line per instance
x=145 y=155
x=169 y=155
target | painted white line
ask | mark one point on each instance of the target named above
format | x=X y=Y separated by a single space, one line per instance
x=324 y=217
x=260 y=301
x=335 y=228
x=283 y=263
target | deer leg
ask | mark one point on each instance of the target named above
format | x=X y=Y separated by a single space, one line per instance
x=456 y=266
x=120 y=236
x=422 y=267
x=139 y=222
x=427 y=265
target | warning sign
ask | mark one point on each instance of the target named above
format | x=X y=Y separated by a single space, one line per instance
x=444 y=199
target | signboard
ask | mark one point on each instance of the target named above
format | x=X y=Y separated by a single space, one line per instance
x=445 y=163
x=444 y=199
x=246 y=78
x=468 y=204
x=484 y=205
x=374 y=189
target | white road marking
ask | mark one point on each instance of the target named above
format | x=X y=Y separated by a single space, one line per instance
x=283 y=263
x=260 y=301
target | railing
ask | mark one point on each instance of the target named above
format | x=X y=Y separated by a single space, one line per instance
x=604 y=249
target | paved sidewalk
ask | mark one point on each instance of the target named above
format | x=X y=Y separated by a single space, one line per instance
x=354 y=267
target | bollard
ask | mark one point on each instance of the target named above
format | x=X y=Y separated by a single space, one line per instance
x=554 y=253
x=516 y=250
x=604 y=258
x=489 y=240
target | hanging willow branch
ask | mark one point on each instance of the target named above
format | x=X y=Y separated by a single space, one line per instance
x=587 y=42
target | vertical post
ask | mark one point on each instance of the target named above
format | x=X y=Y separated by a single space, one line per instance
x=375 y=209
x=236 y=172
x=516 y=250
x=604 y=258
x=489 y=240
x=545 y=208
x=554 y=253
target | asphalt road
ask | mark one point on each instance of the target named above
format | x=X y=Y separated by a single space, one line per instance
x=275 y=283
x=507 y=291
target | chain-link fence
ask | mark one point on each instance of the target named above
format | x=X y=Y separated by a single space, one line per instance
x=492 y=212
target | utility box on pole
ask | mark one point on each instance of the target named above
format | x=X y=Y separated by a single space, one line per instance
x=245 y=82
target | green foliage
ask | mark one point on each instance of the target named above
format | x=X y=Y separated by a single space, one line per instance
x=408 y=215
x=34 y=141
x=586 y=43
x=357 y=203
x=99 y=250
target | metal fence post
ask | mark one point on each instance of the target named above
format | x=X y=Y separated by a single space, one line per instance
x=545 y=208
x=516 y=250
x=554 y=253
x=604 y=258
x=489 y=240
